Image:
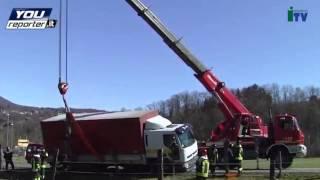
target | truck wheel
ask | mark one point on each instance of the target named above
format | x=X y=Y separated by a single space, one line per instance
x=285 y=156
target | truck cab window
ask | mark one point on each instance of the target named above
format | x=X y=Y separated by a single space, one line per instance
x=245 y=122
x=146 y=140
x=287 y=124
x=170 y=141
x=186 y=138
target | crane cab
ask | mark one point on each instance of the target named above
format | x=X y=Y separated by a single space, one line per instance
x=287 y=131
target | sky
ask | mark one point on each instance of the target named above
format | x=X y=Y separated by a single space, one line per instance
x=116 y=60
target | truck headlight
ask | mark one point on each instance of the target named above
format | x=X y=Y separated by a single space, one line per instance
x=302 y=151
x=186 y=165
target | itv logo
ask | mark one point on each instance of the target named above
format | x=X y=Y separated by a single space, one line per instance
x=296 y=15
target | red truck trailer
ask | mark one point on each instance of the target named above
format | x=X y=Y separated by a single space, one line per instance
x=129 y=139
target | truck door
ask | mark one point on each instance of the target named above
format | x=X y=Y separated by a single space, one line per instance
x=173 y=151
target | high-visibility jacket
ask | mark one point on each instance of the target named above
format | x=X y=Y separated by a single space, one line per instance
x=202 y=167
x=35 y=163
x=36 y=166
x=43 y=170
x=44 y=156
x=238 y=152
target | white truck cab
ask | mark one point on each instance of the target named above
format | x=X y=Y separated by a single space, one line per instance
x=177 y=141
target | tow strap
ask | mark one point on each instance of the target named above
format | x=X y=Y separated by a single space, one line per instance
x=73 y=128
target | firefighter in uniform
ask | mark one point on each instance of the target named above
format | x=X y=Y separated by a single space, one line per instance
x=7 y=154
x=202 y=165
x=238 y=155
x=174 y=148
x=43 y=158
x=36 y=166
x=172 y=152
x=227 y=155
x=213 y=158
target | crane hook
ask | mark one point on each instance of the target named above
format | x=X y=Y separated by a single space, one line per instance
x=63 y=87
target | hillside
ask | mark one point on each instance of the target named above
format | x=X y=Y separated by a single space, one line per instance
x=25 y=120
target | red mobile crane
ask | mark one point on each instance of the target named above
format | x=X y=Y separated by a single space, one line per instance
x=281 y=135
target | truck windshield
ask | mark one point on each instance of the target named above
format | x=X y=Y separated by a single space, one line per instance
x=185 y=136
x=289 y=124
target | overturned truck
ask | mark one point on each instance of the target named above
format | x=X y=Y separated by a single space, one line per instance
x=129 y=140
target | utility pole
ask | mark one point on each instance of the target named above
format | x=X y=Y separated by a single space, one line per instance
x=8 y=126
x=12 y=134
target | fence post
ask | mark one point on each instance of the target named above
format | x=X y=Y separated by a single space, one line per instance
x=0 y=157
x=257 y=151
x=160 y=157
x=55 y=165
x=226 y=155
x=272 y=167
x=280 y=165
x=173 y=168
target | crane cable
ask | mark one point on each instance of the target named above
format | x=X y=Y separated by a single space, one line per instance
x=66 y=42
x=71 y=124
x=63 y=86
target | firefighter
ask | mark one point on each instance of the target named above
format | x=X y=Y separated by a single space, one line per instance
x=238 y=155
x=43 y=158
x=7 y=154
x=173 y=149
x=227 y=155
x=171 y=152
x=36 y=166
x=202 y=165
x=213 y=158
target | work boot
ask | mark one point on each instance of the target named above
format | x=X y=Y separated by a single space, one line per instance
x=239 y=171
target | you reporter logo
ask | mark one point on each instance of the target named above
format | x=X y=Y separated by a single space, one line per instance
x=31 y=18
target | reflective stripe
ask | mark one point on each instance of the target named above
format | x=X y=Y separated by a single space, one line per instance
x=239 y=152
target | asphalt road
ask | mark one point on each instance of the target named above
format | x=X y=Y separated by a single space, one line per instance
x=297 y=173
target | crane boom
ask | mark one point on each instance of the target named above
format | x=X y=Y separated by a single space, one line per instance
x=228 y=103
x=168 y=37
